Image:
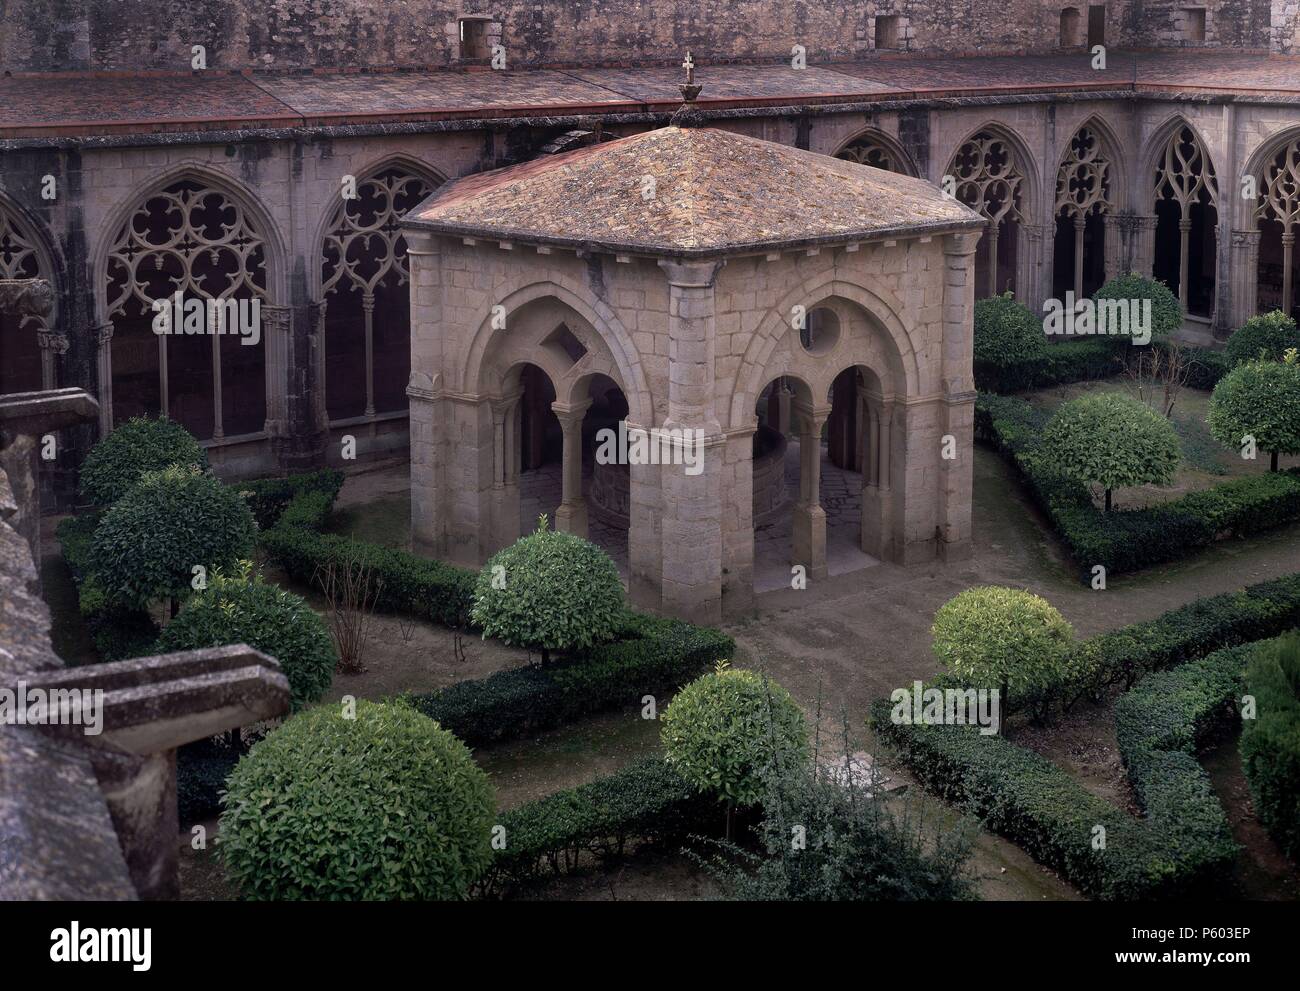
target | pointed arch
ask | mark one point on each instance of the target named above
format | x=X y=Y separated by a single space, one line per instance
x=31 y=345
x=992 y=172
x=1086 y=193
x=361 y=280
x=874 y=147
x=190 y=229
x=1183 y=186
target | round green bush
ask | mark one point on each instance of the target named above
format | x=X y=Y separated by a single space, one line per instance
x=1111 y=440
x=1268 y=336
x=242 y=608
x=1004 y=638
x=387 y=805
x=137 y=446
x=724 y=730
x=549 y=591
x=148 y=543
x=1007 y=332
x=1259 y=399
x=1166 y=311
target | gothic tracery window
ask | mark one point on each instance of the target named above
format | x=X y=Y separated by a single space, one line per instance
x=869 y=150
x=1083 y=198
x=196 y=240
x=1186 y=203
x=1278 y=215
x=27 y=345
x=990 y=180
x=367 y=305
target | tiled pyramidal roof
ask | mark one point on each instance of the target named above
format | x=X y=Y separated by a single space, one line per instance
x=714 y=192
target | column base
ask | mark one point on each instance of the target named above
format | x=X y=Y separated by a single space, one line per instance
x=572 y=518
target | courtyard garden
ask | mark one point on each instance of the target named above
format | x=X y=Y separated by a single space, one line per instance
x=521 y=732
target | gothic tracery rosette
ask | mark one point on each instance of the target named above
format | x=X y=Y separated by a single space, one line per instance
x=365 y=243
x=988 y=178
x=187 y=237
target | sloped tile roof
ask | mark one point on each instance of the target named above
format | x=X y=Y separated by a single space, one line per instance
x=714 y=192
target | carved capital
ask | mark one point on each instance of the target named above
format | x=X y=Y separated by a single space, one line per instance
x=49 y=340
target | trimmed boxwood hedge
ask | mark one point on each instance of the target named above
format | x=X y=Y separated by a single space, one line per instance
x=413 y=585
x=1160 y=724
x=1130 y=540
x=1184 y=841
x=268 y=498
x=652 y=656
x=1270 y=743
x=1034 y=803
x=644 y=803
x=1083 y=360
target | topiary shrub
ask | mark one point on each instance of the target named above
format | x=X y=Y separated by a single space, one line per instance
x=147 y=545
x=1166 y=311
x=549 y=591
x=1110 y=440
x=1004 y=638
x=1007 y=332
x=725 y=731
x=1270 y=743
x=1268 y=336
x=242 y=608
x=1260 y=400
x=386 y=805
x=137 y=446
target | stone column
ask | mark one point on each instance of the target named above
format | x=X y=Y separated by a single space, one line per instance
x=691 y=507
x=1114 y=247
x=571 y=517
x=1144 y=235
x=809 y=543
x=295 y=420
x=738 y=521
x=505 y=473
x=1243 y=272
x=877 y=498
x=1030 y=266
x=104 y=361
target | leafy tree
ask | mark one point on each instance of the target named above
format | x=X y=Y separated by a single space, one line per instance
x=149 y=542
x=725 y=730
x=1111 y=440
x=1260 y=400
x=380 y=804
x=1265 y=336
x=549 y=591
x=1003 y=638
x=137 y=446
x=1166 y=311
x=1007 y=331
x=242 y=608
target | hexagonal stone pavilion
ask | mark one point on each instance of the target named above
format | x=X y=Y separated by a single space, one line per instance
x=750 y=311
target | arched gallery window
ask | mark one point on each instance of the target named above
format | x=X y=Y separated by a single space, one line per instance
x=869 y=149
x=27 y=345
x=1186 y=207
x=196 y=240
x=990 y=180
x=364 y=279
x=1278 y=214
x=1083 y=198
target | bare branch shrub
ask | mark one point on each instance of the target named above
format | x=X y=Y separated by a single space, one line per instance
x=351 y=591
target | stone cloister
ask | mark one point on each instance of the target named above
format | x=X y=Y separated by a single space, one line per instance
x=1079 y=175
x=691 y=300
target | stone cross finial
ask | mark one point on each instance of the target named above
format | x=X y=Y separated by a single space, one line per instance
x=690 y=89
